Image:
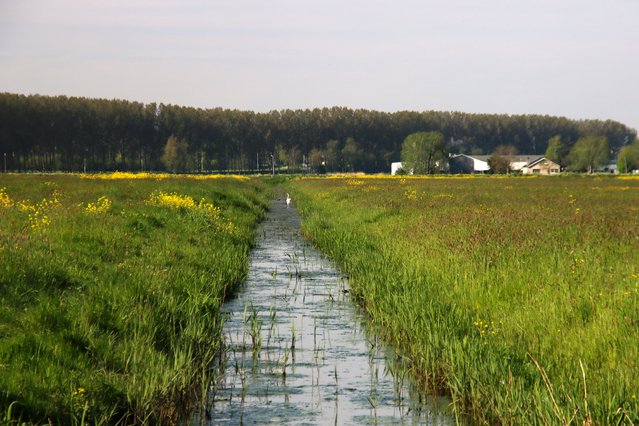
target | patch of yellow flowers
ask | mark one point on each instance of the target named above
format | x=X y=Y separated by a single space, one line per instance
x=173 y=200
x=5 y=200
x=38 y=218
x=38 y=213
x=157 y=176
x=186 y=202
x=101 y=206
x=486 y=328
x=403 y=178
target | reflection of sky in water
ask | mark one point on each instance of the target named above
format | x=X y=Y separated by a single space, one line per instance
x=335 y=373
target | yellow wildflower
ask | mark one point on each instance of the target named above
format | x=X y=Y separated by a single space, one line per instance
x=101 y=206
x=173 y=200
x=157 y=176
x=411 y=194
x=185 y=202
x=5 y=200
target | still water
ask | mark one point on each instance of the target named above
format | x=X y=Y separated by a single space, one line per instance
x=299 y=352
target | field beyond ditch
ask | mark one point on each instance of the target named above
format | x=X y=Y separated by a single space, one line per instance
x=110 y=290
x=517 y=296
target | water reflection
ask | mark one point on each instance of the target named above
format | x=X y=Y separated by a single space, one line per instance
x=299 y=353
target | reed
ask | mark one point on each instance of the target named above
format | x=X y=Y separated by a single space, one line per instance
x=516 y=296
x=110 y=298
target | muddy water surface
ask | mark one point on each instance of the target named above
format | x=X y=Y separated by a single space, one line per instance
x=298 y=352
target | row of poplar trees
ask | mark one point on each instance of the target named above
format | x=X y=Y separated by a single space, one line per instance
x=42 y=133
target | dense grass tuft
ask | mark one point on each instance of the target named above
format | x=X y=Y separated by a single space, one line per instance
x=517 y=296
x=109 y=309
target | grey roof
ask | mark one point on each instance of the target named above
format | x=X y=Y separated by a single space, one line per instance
x=513 y=158
x=525 y=158
x=537 y=161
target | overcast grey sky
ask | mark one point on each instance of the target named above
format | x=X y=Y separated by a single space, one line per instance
x=576 y=58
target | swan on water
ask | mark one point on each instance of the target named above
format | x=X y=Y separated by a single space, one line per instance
x=288 y=200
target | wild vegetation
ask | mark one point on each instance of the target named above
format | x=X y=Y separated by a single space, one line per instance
x=629 y=158
x=79 y=134
x=517 y=296
x=110 y=287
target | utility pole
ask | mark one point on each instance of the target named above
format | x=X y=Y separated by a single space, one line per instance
x=5 y=162
x=273 y=163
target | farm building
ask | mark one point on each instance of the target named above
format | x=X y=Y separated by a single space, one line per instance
x=518 y=162
x=609 y=168
x=472 y=164
x=541 y=166
x=462 y=163
x=397 y=166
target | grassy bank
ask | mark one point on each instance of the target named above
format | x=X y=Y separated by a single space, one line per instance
x=110 y=290
x=518 y=296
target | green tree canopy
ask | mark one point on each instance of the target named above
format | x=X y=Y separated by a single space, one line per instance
x=67 y=133
x=589 y=153
x=629 y=158
x=557 y=150
x=333 y=155
x=424 y=152
x=176 y=153
x=352 y=155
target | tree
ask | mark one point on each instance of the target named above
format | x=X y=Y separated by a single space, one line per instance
x=352 y=155
x=557 y=150
x=629 y=158
x=500 y=161
x=317 y=160
x=176 y=152
x=294 y=157
x=67 y=133
x=333 y=157
x=424 y=152
x=281 y=155
x=589 y=153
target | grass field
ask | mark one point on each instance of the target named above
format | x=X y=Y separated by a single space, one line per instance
x=517 y=296
x=110 y=290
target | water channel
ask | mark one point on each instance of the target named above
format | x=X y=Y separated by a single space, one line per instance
x=298 y=351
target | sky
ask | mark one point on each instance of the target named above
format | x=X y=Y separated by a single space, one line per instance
x=573 y=58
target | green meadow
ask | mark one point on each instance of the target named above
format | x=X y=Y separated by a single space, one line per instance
x=110 y=290
x=519 y=297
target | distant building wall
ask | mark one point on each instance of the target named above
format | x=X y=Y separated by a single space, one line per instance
x=465 y=164
x=542 y=166
x=397 y=166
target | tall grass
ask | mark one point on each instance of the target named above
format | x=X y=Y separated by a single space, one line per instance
x=517 y=296
x=109 y=297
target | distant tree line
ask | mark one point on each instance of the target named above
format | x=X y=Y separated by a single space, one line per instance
x=76 y=134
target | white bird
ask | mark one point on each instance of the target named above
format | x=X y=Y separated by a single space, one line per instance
x=288 y=200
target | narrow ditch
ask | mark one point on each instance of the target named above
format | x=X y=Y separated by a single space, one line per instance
x=298 y=351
